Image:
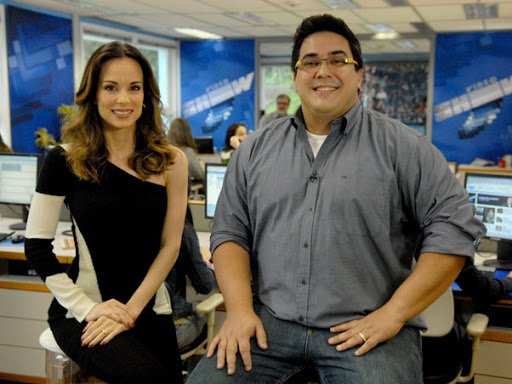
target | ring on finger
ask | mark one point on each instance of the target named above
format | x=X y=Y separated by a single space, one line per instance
x=104 y=332
x=360 y=334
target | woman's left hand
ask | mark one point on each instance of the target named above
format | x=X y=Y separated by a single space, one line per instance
x=101 y=331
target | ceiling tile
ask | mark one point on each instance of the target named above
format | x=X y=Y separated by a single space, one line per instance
x=283 y=17
x=243 y=6
x=505 y=10
x=442 y=12
x=219 y=19
x=401 y=27
x=300 y=5
x=384 y=15
x=178 y=6
x=456 y=26
x=440 y=2
x=498 y=24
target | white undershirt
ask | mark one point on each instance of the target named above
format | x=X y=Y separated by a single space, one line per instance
x=315 y=141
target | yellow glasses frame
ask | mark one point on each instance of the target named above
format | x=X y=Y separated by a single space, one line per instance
x=332 y=61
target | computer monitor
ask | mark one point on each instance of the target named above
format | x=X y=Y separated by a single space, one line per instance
x=204 y=144
x=214 y=177
x=492 y=197
x=18 y=178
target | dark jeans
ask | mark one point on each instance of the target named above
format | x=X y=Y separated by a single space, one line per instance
x=293 y=348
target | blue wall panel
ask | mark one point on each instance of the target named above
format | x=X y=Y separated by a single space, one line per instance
x=40 y=66
x=472 y=114
x=217 y=86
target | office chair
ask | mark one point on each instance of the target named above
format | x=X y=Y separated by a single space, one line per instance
x=443 y=350
x=207 y=308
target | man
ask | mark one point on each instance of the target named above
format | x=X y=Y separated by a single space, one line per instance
x=316 y=230
x=282 y=104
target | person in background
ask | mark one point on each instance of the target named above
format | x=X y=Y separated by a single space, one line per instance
x=482 y=288
x=316 y=229
x=235 y=134
x=180 y=135
x=190 y=263
x=126 y=189
x=282 y=105
x=4 y=147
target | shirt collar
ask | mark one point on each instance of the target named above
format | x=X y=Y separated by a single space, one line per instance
x=345 y=123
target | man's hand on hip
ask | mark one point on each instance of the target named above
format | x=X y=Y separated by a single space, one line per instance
x=370 y=331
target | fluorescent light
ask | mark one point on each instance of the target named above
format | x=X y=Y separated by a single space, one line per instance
x=339 y=4
x=250 y=18
x=385 y=35
x=481 y=11
x=198 y=33
x=407 y=44
x=378 y=28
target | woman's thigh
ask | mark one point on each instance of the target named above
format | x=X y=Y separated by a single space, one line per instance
x=125 y=359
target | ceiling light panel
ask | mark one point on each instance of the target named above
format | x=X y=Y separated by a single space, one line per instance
x=197 y=33
x=248 y=17
x=339 y=4
x=371 y=3
x=480 y=11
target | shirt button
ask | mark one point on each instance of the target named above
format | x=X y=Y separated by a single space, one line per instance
x=306 y=245
x=303 y=282
x=300 y=318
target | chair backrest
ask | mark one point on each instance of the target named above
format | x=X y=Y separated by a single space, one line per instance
x=439 y=316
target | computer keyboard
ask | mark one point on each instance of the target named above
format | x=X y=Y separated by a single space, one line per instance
x=4 y=236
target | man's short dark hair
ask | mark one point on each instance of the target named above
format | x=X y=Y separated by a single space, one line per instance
x=283 y=96
x=325 y=23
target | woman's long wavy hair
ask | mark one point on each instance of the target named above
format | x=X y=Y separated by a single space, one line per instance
x=83 y=131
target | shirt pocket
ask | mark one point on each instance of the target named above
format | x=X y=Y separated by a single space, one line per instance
x=361 y=204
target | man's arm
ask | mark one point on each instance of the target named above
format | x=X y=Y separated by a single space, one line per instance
x=232 y=269
x=433 y=274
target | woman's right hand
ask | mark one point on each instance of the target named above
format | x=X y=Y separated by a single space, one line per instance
x=101 y=331
x=113 y=309
x=234 y=141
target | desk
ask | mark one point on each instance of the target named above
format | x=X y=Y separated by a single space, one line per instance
x=23 y=312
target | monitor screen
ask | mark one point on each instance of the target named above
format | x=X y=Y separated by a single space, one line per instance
x=18 y=177
x=214 y=177
x=204 y=144
x=492 y=197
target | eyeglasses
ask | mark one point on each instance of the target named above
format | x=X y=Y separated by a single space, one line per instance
x=313 y=62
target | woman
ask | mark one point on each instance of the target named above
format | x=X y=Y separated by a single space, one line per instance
x=180 y=135
x=235 y=134
x=126 y=190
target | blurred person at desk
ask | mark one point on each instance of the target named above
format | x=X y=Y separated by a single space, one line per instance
x=316 y=228
x=180 y=135
x=235 y=134
x=126 y=190
x=191 y=264
x=282 y=105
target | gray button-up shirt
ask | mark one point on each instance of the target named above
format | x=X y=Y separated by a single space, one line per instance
x=331 y=238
